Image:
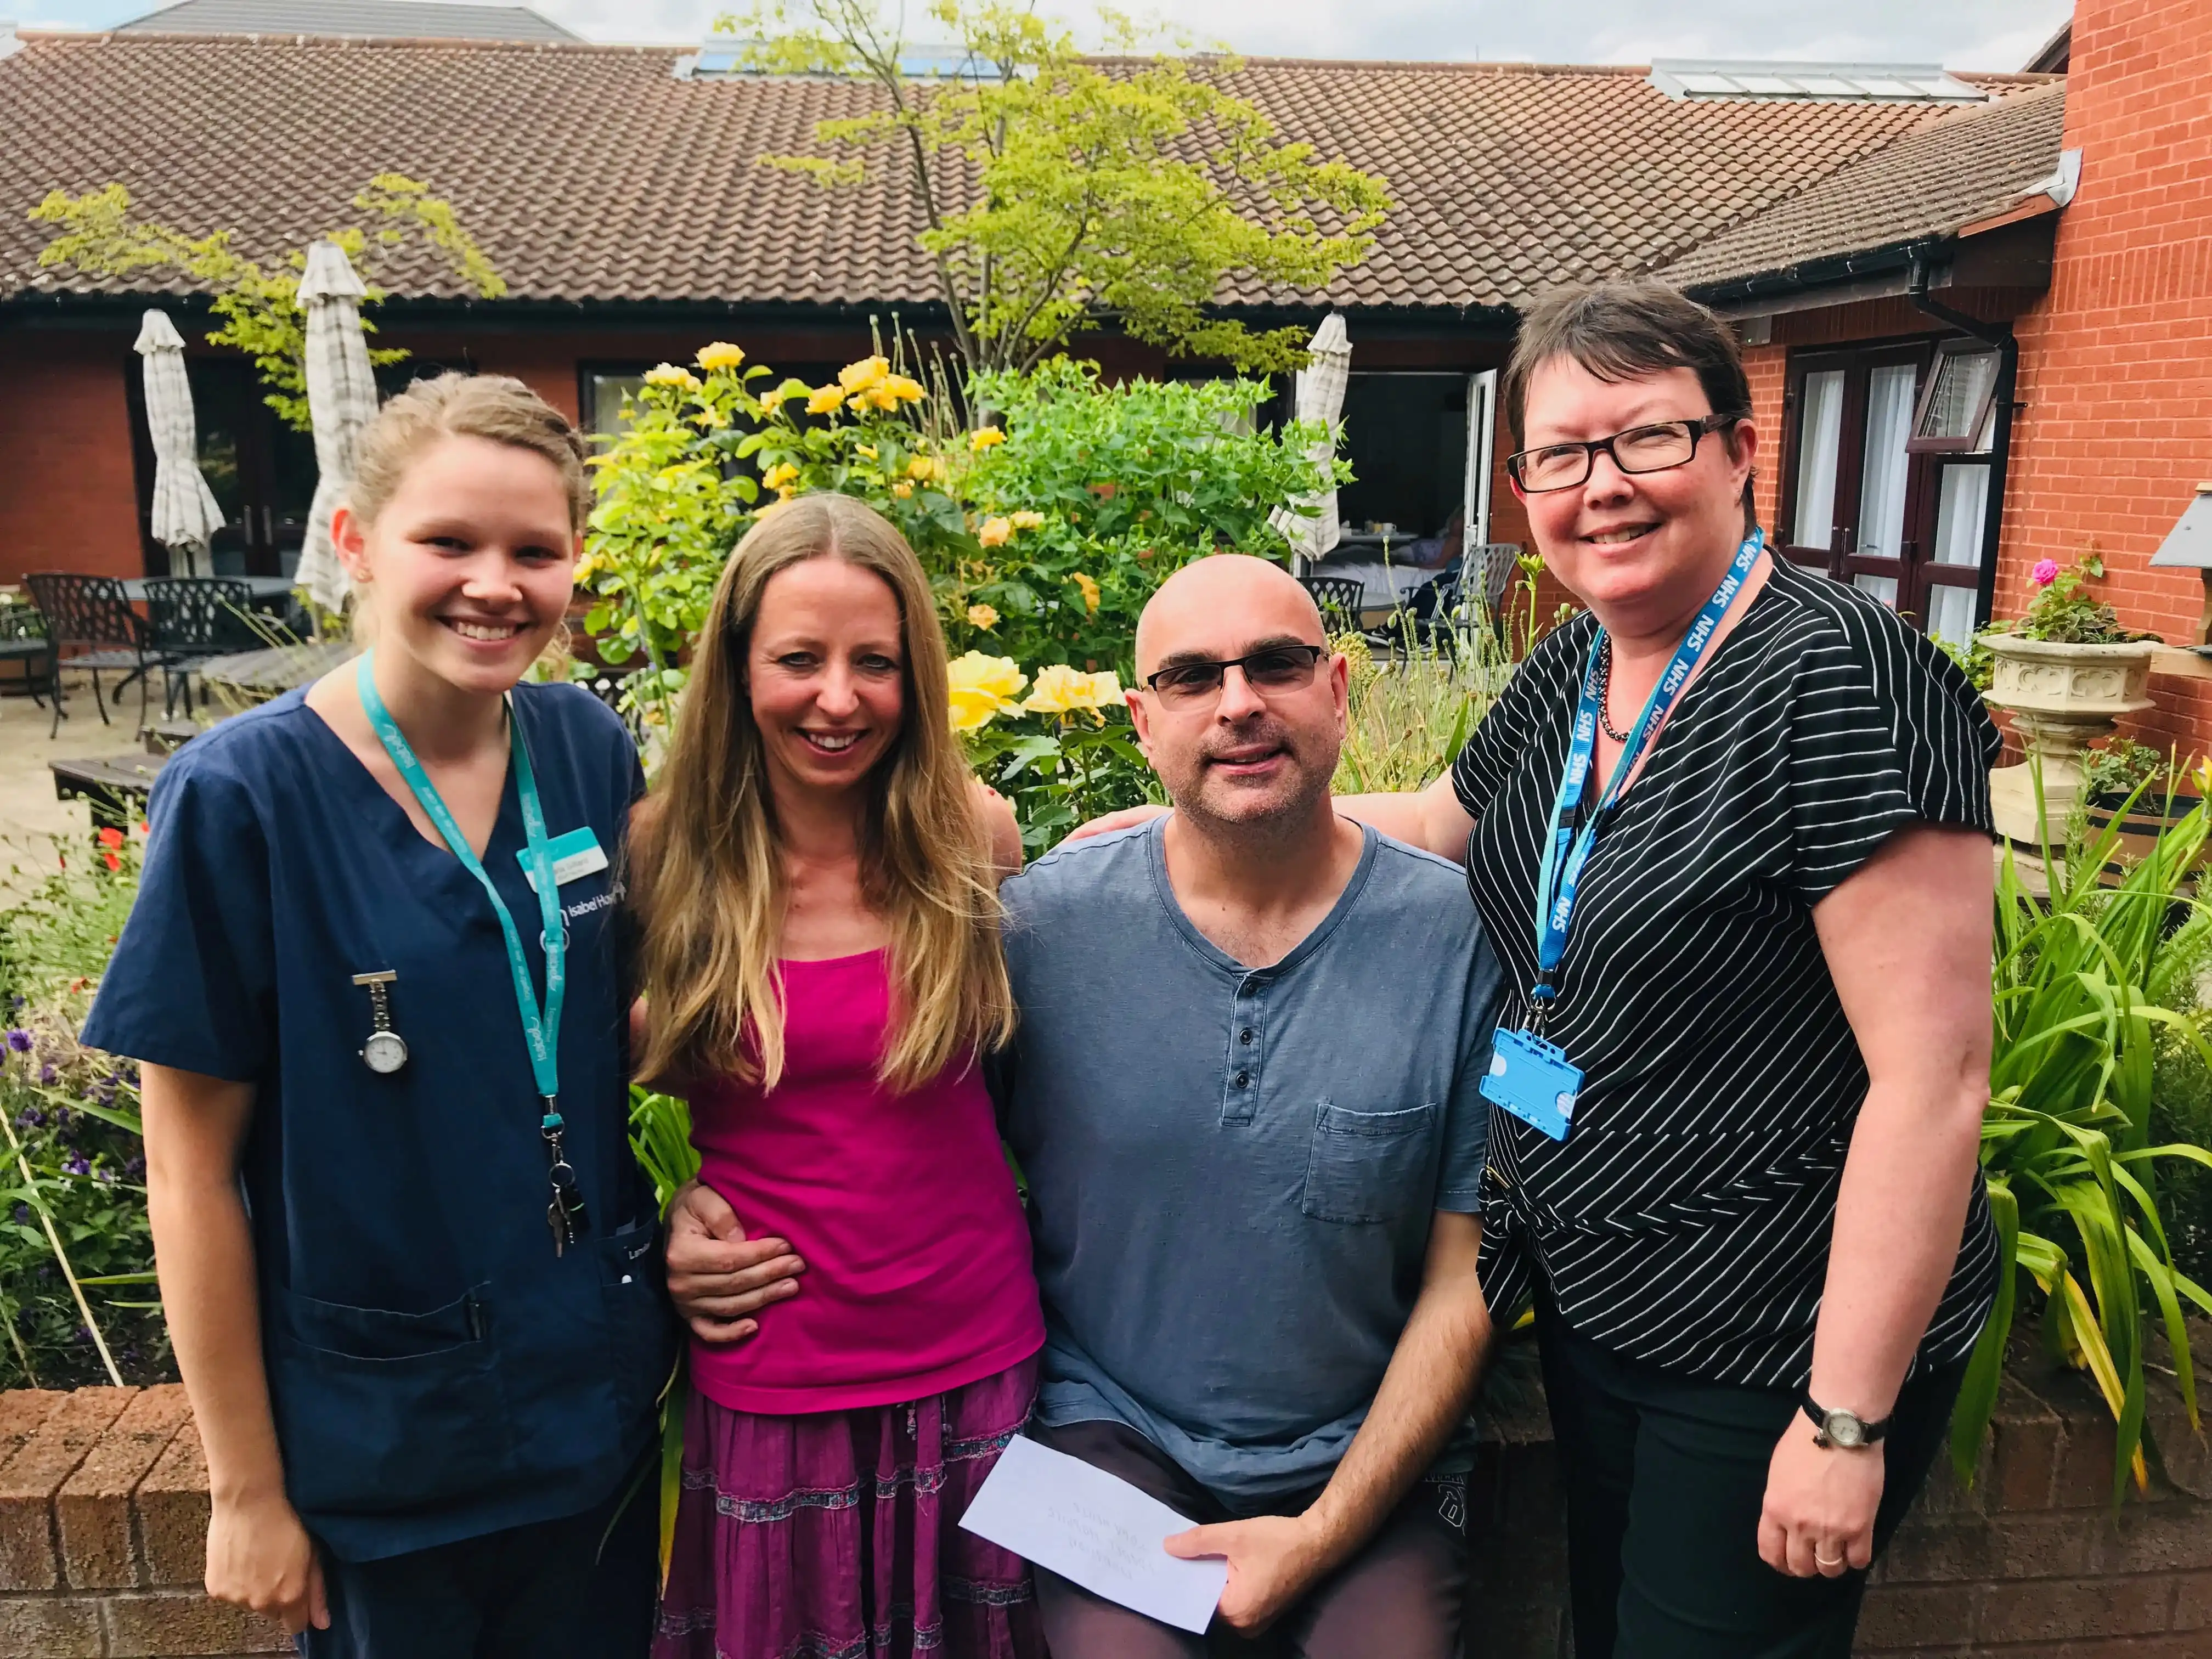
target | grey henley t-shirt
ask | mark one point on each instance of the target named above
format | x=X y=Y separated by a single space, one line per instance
x=1233 y=1170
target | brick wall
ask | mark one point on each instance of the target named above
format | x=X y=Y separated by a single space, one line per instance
x=103 y=1524
x=2116 y=362
x=68 y=488
x=2027 y=1562
x=103 y=1515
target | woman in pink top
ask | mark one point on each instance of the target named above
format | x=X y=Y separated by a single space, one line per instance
x=816 y=875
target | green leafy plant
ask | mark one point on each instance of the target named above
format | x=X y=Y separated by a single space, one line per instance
x=2066 y=1146
x=2119 y=767
x=75 y=1251
x=1061 y=191
x=2062 y=613
x=98 y=235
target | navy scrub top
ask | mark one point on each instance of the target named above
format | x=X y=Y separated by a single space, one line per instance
x=436 y=1372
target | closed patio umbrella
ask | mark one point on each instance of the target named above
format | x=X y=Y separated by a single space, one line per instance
x=1320 y=396
x=341 y=400
x=185 y=512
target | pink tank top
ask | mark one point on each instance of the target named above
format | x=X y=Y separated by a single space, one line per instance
x=917 y=1252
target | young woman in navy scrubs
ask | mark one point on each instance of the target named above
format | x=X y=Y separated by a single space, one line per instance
x=408 y=1260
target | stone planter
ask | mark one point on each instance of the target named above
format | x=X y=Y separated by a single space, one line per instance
x=2062 y=698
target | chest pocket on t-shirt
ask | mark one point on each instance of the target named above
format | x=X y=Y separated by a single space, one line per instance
x=1369 y=1166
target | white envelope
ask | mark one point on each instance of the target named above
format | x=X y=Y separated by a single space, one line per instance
x=1097 y=1530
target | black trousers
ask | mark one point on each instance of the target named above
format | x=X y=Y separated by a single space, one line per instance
x=549 y=1590
x=1666 y=1477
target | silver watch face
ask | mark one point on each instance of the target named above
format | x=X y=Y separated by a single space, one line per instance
x=385 y=1051
x=1845 y=1429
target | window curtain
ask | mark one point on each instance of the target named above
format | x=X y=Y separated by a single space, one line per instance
x=1820 y=432
x=1881 y=484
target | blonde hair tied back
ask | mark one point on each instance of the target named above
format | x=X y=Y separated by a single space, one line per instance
x=496 y=407
x=706 y=875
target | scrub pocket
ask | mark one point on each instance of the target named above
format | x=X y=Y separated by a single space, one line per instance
x=1369 y=1166
x=379 y=1413
x=641 y=1321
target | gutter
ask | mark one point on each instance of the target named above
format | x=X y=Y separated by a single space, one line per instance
x=2002 y=407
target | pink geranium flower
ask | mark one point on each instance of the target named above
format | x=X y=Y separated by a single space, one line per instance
x=2045 y=572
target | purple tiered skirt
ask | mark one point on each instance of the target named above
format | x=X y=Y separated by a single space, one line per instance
x=835 y=1534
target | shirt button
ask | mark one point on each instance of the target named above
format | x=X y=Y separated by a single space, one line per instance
x=1245 y=1036
x=1243 y=1078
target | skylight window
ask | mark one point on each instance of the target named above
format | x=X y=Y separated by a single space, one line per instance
x=1825 y=83
x=724 y=59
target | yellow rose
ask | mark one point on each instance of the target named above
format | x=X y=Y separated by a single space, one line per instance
x=781 y=473
x=770 y=401
x=982 y=617
x=995 y=533
x=986 y=438
x=1064 y=692
x=587 y=564
x=856 y=377
x=903 y=390
x=1027 y=520
x=1090 y=589
x=981 y=688
x=824 y=399
x=669 y=374
x=867 y=451
x=785 y=493
x=721 y=354
x=902 y=489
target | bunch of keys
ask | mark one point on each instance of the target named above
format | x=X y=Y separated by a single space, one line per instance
x=565 y=1215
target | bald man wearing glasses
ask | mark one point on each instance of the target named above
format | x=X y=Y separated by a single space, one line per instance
x=1244 y=1093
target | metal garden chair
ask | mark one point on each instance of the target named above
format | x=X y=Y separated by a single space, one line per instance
x=91 y=625
x=192 y=619
x=1339 y=598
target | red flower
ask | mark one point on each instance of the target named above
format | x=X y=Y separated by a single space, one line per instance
x=111 y=838
x=113 y=862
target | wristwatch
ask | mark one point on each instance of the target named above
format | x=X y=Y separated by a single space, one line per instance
x=1847 y=1430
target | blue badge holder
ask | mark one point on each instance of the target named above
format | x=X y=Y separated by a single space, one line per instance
x=1532 y=1079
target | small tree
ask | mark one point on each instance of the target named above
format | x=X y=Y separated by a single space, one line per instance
x=259 y=303
x=1060 y=190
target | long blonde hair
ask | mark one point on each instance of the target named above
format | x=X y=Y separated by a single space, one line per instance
x=708 y=879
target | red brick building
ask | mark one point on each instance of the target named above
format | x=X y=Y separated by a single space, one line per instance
x=618 y=193
x=2073 y=228
x=1978 y=308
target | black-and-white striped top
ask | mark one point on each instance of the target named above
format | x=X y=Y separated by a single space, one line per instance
x=1686 y=1220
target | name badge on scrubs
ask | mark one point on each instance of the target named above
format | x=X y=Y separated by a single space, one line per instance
x=575 y=854
x=1532 y=1079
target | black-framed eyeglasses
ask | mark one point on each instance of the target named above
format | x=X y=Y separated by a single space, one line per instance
x=1272 y=668
x=1653 y=448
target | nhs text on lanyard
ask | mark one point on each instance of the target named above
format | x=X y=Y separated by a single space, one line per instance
x=540 y=1031
x=1529 y=1077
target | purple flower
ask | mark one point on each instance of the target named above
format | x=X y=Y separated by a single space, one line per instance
x=46 y=1073
x=19 y=1040
x=134 y=1168
x=30 y=1118
x=79 y=1165
x=22 y=1215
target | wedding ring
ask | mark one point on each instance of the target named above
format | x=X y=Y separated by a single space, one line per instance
x=1820 y=1560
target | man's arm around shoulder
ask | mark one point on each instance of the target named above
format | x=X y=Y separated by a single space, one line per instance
x=1275 y=1559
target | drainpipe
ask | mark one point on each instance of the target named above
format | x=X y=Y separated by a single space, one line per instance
x=1999 y=335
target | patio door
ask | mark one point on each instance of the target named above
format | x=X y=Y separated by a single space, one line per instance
x=261 y=471
x=1884 y=475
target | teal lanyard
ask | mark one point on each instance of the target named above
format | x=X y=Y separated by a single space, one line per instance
x=541 y=1031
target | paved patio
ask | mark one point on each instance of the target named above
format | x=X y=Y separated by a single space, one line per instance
x=30 y=819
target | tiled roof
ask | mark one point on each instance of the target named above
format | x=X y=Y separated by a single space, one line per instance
x=1967 y=166
x=591 y=173
x=425 y=20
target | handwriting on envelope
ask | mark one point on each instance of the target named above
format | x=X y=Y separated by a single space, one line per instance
x=1096 y=1529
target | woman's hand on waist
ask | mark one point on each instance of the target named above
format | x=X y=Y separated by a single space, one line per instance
x=717 y=1278
x=260 y=1556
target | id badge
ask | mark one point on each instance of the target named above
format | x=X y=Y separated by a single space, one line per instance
x=576 y=853
x=1532 y=1079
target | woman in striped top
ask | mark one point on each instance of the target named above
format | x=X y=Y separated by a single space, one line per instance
x=1761 y=1254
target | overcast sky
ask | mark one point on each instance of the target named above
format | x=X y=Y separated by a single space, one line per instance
x=1969 y=35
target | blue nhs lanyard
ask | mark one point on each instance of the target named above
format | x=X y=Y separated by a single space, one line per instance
x=1572 y=831
x=541 y=1031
